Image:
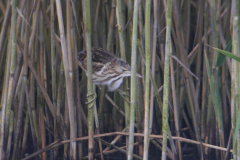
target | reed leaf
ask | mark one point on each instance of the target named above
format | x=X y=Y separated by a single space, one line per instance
x=214 y=100
x=221 y=58
x=235 y=57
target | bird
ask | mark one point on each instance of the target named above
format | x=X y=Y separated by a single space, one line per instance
x=107 y=69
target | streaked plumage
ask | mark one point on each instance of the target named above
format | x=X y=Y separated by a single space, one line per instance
x=107 y=68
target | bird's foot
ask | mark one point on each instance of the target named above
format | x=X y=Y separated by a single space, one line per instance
x=91 y=101
x=124 y=95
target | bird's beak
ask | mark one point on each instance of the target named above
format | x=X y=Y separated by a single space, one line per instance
x=129 y=72
x=138 y=75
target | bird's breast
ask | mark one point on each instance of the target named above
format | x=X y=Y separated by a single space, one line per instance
x=115 y=84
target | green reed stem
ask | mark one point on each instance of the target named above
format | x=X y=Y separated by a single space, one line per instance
x=133 y=80
x=147 y=78
x=123 y=57
x=235 y=87
x=166 y=77
x=87 y=29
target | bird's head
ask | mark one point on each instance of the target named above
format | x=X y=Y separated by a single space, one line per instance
x=125 y=69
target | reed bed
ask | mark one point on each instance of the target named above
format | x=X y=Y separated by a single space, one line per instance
x=186 y=106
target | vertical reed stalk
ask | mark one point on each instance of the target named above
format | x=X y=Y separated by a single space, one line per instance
x=95 y=33
x=166 y=77
x=129 y=30
x=35 y=146
x=235 y=90
x=97 y=127
x=42 y=131
x=25 y=133
x=194 y=106
x=215 y=75
x=10 y=135
x=204 y=80
x=153 y=62
x=68 y=83
x=33 y=54
x=87 y=29
x=133 y=80
x=199 y=32
x=123 y=57
x=175 y=106
x=69 y=48
x=11 y=90
x=140 y=85
x=109 y=43
x=70 y=69
x=54 y=75
x=79 y=109
x=147 y=78
x=120 y=29
x=4 y=100
x=25 y=73
x=19 y=122
x=5 y=28
x=60 y=91
x=53 y=55
x=111 y=25
x=235 y=80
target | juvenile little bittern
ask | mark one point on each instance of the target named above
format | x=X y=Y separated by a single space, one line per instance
x=107 y=69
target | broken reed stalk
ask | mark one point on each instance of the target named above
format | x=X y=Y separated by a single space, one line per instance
x=120 y=149
x=58 y=143
x=111 y=151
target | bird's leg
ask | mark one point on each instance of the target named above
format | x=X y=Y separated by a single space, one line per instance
x=92 y=101
x=123 y=94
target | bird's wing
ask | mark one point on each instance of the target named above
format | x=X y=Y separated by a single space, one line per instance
x=102 y=56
